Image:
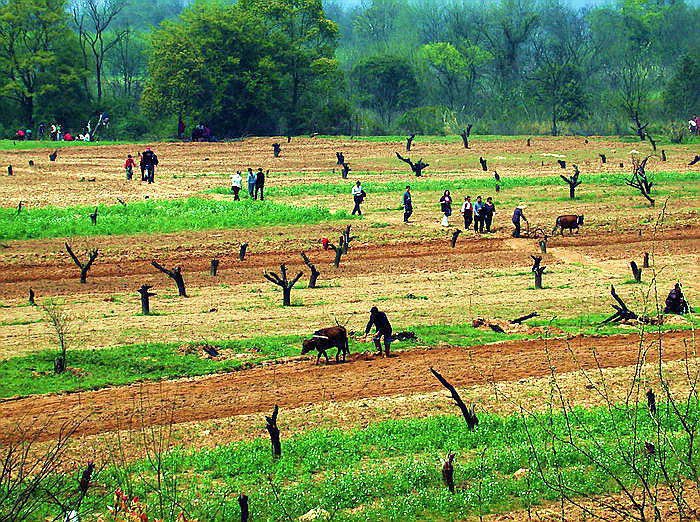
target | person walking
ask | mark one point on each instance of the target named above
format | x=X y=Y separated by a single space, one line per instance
x=150 y=161
x=260 y=184
x=478 y=215
x=407 y=204
x=467 y=212
x=251 y=182
x=489 y=210
x=517 y=216
x=129 y=165
x=381 y=322
x=236 y=183
x=358 y=196
x=446 y=208
x=142 y=167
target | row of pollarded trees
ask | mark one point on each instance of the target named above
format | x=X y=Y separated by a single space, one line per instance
x=60 y=319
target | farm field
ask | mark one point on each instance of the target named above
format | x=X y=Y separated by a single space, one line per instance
x=560 y=398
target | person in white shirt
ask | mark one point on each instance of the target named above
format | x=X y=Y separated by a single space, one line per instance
x=358 y=196
x=236 y=183
x=468 y=212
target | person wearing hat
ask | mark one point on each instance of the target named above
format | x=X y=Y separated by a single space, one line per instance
x=517 y=216
x=381 y=322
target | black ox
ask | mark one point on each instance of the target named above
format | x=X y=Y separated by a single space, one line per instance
x=326 y=339
x=569 y=222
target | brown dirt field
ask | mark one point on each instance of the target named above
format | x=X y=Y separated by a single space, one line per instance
x=611 y=508
x=189 y=168
x=300 y=384
x=481 y=277
x=503 y=398
x=486 y=276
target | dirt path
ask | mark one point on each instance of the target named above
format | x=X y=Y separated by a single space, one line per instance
x=300 y=384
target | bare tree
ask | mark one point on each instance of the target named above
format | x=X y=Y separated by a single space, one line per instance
x=84 y=267
x=633 y=89
x=61 y=322
x=176 y=275
x=465 y=136
x=274 y=431
x=92 y=19
x=467 y=412
x=314 y=271
x=417 y=168
x=284 y=283
x=640 y=179
x=33 y=477
x=127 y=63
x=572 y=181
x=538 y=270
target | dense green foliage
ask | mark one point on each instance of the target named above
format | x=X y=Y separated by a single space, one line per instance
x=155 y=216
x=297 y=66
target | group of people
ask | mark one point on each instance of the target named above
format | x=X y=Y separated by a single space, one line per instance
x=200 y=133
x=148 y=161
x=256 y=184
x=478 y=214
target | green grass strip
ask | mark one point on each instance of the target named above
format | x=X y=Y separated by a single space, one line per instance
x=391 y=470
x=156 y=216
x=45 y=144
x=33 y=374
x=473 y=184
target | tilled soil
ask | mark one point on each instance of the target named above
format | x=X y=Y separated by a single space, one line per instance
x=299 y=384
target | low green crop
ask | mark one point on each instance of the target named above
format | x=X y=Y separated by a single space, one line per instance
x=156 y=216
x=391 y=470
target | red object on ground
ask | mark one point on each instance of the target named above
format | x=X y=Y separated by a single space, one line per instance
x=324 y=242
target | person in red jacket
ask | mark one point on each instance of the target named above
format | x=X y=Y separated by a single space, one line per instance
x=129 y=165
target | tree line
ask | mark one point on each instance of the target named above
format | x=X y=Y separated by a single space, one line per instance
x=288 y=67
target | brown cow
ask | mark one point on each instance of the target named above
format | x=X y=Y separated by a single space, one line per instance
x=569 y=221
x=325 y=339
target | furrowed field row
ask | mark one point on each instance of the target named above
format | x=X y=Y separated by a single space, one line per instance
x=31 y=374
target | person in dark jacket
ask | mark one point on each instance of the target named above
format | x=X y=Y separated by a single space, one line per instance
x=517 y=216
x=446 y=208
x=260 y=184
x=407 y=204
x=149 y=160
x=489 y=210
x=467 y=212
x=381 y=322
x=675 y=302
